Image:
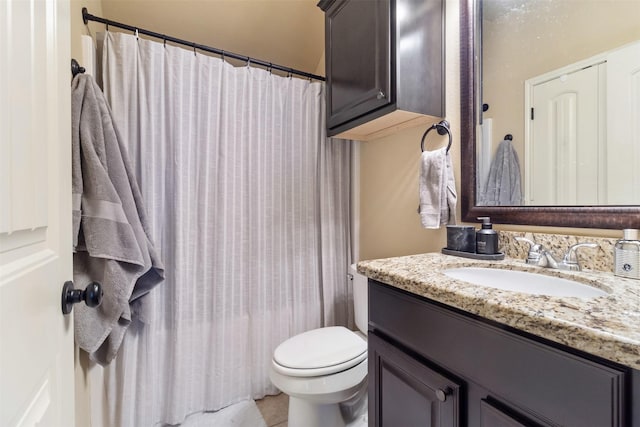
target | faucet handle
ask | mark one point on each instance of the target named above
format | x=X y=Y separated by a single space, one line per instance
x=571 y=257
x=535 y=250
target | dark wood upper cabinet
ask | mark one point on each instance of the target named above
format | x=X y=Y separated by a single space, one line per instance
x=384 y=65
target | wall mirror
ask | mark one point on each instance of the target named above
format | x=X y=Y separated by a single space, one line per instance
x=531 y=65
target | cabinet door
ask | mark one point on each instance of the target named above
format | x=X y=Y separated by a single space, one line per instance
x=405 y=392
x=357 y=58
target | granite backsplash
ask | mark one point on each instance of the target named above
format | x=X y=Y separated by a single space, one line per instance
x=596 y=259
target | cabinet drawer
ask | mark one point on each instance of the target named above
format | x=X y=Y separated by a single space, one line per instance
x=539 y=380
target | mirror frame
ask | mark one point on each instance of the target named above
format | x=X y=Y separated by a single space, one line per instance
x=606 y=217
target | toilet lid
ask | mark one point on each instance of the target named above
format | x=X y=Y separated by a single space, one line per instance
x=321 y=348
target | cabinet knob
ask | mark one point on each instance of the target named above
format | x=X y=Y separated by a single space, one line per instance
x=381 y=95
x=442 y=393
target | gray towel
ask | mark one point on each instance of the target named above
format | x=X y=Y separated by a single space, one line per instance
x=111 y=243
x=503 y=183
x=438 y=196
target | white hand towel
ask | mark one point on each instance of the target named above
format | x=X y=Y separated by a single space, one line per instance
x=438 y=197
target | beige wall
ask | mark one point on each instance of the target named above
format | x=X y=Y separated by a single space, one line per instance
x=284 y=32
x=321 y=66
x=77 y=26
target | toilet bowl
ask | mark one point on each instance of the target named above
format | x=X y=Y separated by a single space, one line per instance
x=324 y=368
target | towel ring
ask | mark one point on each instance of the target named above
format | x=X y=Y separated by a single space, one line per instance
x=442 y=128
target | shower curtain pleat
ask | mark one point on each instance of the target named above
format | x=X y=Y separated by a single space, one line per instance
x=249 y=204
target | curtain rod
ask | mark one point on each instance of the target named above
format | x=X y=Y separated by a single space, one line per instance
x=86 y=17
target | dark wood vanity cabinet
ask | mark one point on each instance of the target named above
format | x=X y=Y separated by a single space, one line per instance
x=383 y=58
x=486 y=374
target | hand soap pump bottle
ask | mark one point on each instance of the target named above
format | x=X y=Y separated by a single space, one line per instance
x=486 y=238
x=626 y=255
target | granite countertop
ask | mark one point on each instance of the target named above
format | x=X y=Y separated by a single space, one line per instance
x=607 y=326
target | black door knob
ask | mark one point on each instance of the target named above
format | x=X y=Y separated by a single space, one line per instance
x=92 y=296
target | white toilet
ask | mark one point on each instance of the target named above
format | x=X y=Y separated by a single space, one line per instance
x=322 y=368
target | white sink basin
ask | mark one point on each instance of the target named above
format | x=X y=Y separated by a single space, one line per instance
x=520 y=281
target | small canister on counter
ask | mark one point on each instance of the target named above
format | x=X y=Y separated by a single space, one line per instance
x=461 y=238
x=626 y=255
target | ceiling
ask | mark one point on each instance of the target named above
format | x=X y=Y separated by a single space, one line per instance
x=284 y=32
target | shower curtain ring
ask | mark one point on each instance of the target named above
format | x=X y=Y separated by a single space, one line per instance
x=248 y=62
x=194 y=50
x=136 y=33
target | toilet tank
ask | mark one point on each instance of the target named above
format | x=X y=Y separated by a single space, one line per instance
x=360 y=299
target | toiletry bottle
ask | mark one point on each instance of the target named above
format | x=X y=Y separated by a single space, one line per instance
x=486 y=238
x=626 y=255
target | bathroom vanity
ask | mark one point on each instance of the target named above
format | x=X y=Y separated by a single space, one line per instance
x=444 y=352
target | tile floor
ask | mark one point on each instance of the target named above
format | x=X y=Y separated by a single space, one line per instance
x=274 y=410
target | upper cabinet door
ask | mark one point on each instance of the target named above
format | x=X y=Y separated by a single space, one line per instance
x=357 y=58
x=384 y=65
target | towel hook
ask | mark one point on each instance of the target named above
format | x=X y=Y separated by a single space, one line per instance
x=442 y=128
x=76 y=68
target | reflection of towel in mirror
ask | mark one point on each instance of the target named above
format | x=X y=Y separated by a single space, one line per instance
x=503 y=183
x=437 y=189
x=111 y=241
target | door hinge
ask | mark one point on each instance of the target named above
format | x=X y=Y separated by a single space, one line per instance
x=532 y=113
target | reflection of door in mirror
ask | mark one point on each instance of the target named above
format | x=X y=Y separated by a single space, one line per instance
x=579 y=146
x=522 y=40
x=562 y=147
x=623 y=125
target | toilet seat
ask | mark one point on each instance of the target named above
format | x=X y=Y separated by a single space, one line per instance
x=318 y=352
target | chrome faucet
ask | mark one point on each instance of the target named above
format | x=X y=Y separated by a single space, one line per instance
x=541 y=257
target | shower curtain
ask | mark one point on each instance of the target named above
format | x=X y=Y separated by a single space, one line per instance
x=249 y=204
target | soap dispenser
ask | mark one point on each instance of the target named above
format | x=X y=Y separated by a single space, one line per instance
x=486 y=238
x=626 y=255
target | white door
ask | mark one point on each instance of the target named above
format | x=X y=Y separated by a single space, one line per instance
x=36 y=340
x=563 y=161
x=623 y=125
